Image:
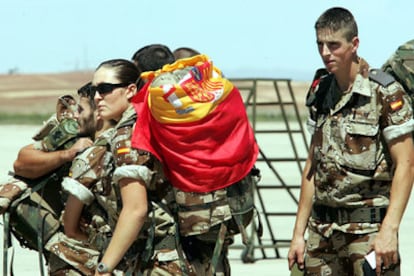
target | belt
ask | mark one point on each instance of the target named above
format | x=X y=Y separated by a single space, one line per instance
x=327 y=214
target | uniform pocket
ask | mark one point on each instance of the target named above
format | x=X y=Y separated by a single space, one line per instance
x=360 y=147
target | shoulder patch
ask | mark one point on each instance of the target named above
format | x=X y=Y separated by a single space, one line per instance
x=381 y=77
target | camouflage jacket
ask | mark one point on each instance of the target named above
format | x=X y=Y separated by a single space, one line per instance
x=100 y=167
x=352 y=167
x=159 y=231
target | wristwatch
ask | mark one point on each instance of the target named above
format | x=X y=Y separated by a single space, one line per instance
x=102 y=268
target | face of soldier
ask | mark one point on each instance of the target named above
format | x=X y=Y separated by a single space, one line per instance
x=336 y=51
x=86 y=118
x=111 y=103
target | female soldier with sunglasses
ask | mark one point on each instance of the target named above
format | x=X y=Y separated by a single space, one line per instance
x=137 y=180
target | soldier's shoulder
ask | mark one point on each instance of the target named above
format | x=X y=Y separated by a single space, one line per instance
x=128 y=118
x=388 y=84
x=382 y=78
x=320 y=79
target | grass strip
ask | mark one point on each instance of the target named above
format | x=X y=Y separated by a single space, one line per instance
x=23 y=119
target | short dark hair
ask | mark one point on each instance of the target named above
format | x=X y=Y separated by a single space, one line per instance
x=336 y=19
x=86 y=91
x=153 y=57
x=185 y=52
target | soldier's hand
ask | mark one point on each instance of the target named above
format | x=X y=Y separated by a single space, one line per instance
x=297 y=252
x=79 y=146
x=385 y=246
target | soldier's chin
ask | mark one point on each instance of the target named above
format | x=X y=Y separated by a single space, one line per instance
x=331 y=68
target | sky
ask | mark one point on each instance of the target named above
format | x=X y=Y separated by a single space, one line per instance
x=255 y=38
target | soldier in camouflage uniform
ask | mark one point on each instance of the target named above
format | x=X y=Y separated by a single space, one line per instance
x=213 y=202
x=55 y=145
x=71 y=246
x=359 y=172
x=139 y=192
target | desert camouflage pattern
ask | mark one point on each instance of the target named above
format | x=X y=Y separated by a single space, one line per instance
x=198 y=212
x=209 y=221
x=167 y=257
x=401 y=66
x=94 y=169
x=9 y=191
x=74 y=252
x=341 y=254
x=94 y=164
x=37 y=213
x=352 y=167
x=156 y=250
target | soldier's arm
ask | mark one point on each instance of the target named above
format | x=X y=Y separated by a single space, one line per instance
x=297 y=247
x=130 y=221
x=33 y=163
x=386 y=243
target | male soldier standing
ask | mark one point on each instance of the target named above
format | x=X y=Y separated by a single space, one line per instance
x=360 y=169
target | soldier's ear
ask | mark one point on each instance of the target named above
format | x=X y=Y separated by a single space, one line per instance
x=131 y=90
x=355 y=44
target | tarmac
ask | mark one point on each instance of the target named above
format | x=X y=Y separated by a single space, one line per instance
x=265 y=258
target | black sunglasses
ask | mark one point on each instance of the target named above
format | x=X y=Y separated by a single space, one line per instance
x=106 y=88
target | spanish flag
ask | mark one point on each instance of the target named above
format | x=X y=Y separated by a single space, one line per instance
x=194 y=121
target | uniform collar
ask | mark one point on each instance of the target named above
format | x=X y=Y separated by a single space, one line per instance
x=361 y=83
x=361 y=86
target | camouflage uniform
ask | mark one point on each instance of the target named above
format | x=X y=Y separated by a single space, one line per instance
x=92 y=166
x=156 y=250
x=40 y=200
x=352 y=167
x=58 y=132
x=209 y=221
x=211 y=207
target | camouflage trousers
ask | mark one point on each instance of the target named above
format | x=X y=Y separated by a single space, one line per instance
x=73 y=252
x=340 y=254
x=9 y=191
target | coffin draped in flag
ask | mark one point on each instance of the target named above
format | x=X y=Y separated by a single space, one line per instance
x=194 y=121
